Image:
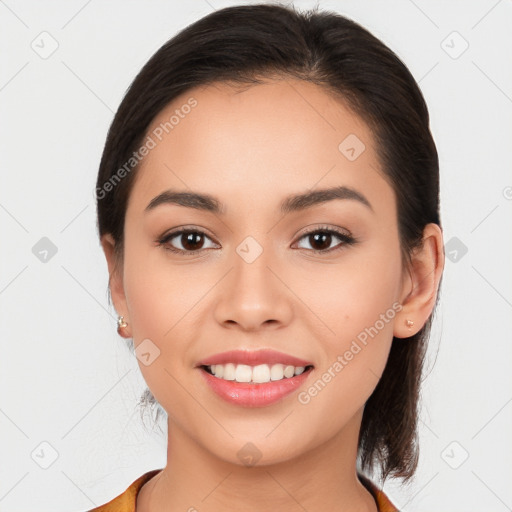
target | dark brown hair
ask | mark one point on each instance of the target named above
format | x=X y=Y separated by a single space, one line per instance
x=248 y=44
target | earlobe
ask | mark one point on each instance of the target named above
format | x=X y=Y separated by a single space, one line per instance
x=420 y=289
x=115 y=272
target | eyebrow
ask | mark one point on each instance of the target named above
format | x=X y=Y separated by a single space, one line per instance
x=293 y=203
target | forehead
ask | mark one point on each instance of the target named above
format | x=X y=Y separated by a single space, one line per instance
x=281 y=136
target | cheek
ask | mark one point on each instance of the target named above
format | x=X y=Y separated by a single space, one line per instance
x=166 y=303
x=360 y=311
x=357 y=302
x=160 y=299
x=143 y=286
x=353 y=293
x=160 y=295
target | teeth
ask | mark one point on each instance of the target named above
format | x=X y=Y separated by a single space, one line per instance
x=243 y=373
x=257 y=374
x=261 y=373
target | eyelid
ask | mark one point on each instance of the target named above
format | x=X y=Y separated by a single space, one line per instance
x=185 y=227
x=324 y=227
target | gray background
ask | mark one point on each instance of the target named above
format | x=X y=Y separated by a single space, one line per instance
x=70 y=386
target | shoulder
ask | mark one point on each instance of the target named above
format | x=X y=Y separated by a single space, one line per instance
x=383 y=502
x=125 y=502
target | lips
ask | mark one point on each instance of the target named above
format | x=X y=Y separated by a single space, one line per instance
x=248 y=394
x=253 y=358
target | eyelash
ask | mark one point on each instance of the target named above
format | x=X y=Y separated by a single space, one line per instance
x=345 y=238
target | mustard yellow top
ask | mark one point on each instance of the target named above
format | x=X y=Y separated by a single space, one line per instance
x=126 y=501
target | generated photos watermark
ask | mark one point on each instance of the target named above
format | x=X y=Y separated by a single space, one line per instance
x=304 y=397
x=150 y=142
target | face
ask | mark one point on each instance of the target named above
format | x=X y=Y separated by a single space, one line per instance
x=320 y=280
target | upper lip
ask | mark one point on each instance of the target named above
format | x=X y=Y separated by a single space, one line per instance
x=253 y=358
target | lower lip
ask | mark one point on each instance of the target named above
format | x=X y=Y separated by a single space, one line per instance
x=249 y=394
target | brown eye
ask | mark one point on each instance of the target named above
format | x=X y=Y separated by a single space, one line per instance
x=191 y=241
x=320 y=240
x=187 y=241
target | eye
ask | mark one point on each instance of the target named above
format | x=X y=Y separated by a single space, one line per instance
x=191 y=241
x=323 y=237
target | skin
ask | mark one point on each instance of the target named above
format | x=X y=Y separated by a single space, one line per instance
x=251 y=148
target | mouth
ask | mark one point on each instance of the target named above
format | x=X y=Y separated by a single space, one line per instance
x=258 y=386
x=259 y=374
x=254 y=378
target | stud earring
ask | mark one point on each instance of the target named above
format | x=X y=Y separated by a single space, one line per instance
x=409 y=323
x=121 y=324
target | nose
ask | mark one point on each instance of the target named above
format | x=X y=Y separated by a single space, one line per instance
x=253 y=296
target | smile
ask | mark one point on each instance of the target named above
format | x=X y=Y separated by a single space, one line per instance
x=249 y=393
x=259 y=374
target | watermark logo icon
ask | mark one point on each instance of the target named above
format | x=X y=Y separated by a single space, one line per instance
x=455 y=249
x=146 y=352
x=249 y=249
x=44 y=455
x=454 y=455
x=351 y=147
x=454 y=45
x=44 y=250
x=45 y=45
x=249 y=454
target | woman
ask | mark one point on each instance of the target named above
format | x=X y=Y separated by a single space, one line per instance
x=268 y=205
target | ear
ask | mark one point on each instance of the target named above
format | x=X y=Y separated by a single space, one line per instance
x=421 y=284
x=115 y=272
